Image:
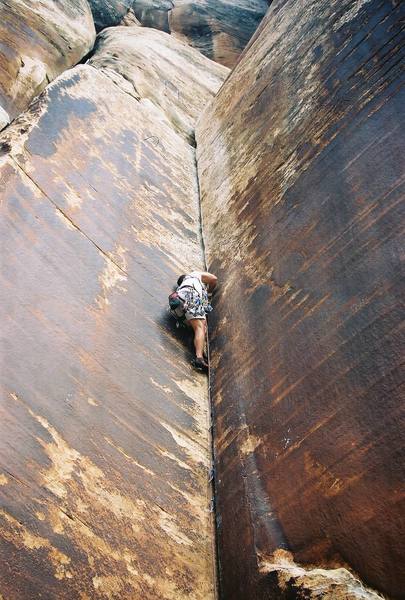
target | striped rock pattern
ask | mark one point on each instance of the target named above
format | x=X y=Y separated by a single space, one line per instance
x=301 y=162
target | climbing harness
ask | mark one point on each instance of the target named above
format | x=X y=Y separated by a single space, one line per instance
x=187 y=299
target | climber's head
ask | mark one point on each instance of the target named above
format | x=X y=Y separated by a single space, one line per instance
x=180 y=279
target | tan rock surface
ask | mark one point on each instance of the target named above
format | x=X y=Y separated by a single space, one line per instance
x=290 y=580
x=130 y=19
x=39 y=40
x=152 y=65
x=220 y=29
x=301 y=162
x=104 y=449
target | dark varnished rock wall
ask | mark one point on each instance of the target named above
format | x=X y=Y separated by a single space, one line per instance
x=107 y=13
x=217 y=28
x=104 y=449
x=301 y=164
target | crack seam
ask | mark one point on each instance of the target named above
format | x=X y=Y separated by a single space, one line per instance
x=103 y=252
x=211 y=472
x=77 y=228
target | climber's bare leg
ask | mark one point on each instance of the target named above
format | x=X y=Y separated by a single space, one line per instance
x=200 y=329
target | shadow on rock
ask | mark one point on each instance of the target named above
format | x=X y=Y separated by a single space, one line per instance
x=182 y=334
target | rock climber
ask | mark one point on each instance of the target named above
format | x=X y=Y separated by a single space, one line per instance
x=195 y=290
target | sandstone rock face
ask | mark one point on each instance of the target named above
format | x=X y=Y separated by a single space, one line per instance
x=38 y=42
x=104 y=450
x=178 y=80
x=300 y=160
x=217 y=28
x=107 y=13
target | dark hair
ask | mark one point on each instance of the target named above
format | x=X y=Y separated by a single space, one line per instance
x=180 y=279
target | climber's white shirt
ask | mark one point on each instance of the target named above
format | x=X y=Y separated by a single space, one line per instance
x=192 y=291
x=193 y=280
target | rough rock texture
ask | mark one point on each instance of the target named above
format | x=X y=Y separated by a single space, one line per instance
x=220 y=29
x=104 y=449
x=178 y=80
x=154 y=13
x=130 y=19
x=300 y=160
x=38 y=40
x=107 y=13
x=285 y=580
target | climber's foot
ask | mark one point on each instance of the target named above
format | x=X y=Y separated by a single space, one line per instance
x=200 y=364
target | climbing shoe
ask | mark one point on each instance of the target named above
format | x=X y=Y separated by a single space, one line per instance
x=200 y=364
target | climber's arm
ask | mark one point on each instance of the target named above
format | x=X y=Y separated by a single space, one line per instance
x=210 y=280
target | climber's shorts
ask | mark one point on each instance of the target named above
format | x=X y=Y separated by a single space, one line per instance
x=192 y=314
x=194 y=302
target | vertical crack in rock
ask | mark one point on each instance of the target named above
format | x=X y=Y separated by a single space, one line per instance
x=211 y=424
x=114 y=469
